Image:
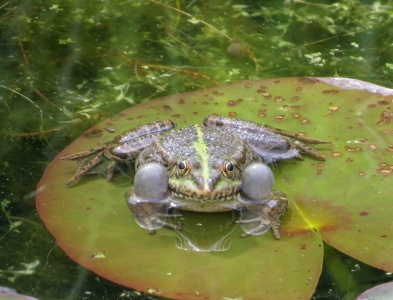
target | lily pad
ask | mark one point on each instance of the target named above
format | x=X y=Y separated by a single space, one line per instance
x=343 y=200
x=10 y=294
x=380 y=292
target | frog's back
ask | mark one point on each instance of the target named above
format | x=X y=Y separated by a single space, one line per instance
x=201 y=143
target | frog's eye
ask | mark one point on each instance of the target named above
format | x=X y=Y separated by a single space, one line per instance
x=183 y=167
x=228 y=169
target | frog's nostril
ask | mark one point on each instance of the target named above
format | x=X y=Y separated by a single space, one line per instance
x=206 y=185
x=210 y=184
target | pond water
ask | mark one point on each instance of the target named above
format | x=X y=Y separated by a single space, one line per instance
x=66 y=65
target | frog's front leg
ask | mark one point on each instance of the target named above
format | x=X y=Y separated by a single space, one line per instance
x=260 y=218
x=150 y=198
x=261 y=207
x=151 y=216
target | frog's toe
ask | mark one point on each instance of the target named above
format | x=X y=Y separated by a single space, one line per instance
x=258 y=219
x=255 y=220
x=255 y=226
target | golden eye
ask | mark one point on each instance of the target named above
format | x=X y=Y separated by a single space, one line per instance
x=229 y=167
x=228 y=170
x=182 y=168
x=181 y=165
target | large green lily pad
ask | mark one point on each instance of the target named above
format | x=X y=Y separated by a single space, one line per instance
x=344 y=200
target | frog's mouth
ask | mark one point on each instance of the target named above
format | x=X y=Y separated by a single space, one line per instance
x=215 y=195
x=204 y=193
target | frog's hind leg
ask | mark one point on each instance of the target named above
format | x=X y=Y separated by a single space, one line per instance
x=271 y=147
x=271 y=144
x=297 y=141
x=121 y=151
x=259 y=218
x=83 y=153
x=85 y=168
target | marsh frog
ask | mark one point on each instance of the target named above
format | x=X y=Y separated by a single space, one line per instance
x=218 y=166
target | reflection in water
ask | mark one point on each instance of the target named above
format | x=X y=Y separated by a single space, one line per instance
x=205 y=232
x=184 y=242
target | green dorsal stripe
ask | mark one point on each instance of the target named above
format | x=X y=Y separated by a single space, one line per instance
x=201 y=149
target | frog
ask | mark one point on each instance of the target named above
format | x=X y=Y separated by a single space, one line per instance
x=220 y=165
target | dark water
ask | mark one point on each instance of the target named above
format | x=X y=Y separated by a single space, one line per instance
x=66 y=65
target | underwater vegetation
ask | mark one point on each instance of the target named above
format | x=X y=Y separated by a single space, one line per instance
x=66 y=65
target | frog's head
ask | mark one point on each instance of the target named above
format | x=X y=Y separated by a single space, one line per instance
x=205 y=180
x=207 y=169
x=201 y=169
x=188 y=186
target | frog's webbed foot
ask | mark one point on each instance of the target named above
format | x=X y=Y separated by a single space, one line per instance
x=150 y=198
x=87 y=161
x=297 y=141
x=259 y=218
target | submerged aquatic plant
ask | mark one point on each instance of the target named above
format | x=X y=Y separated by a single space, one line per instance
x=66 y=65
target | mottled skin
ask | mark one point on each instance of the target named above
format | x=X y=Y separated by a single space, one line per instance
x=216 y=167
x=218 y=184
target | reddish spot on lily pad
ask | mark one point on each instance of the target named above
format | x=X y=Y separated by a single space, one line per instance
x=231 y=103
x=93 y=133
x=278 y=99
x=217 y=93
